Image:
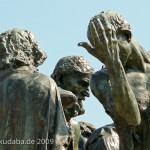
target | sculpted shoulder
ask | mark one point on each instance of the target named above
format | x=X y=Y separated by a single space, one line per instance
x=41 y=81
x=35 y=83
x=101 y=89
x=98 y=80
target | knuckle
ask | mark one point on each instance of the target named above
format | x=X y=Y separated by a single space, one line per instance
x=108 y=29
x=114 y=41
x=106 y=41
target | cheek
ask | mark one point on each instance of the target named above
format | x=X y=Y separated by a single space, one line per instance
x=77 y=89
x=124 y=51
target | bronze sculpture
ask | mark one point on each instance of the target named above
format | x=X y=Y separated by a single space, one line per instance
x=31 y=113
x=72 y=75
x=86 y=131
x=123 y=86
x=103 y=138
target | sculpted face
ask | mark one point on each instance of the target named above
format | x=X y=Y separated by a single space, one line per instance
x=109 y=25
x=72 y=74
x=124 y=42
x=78 y=84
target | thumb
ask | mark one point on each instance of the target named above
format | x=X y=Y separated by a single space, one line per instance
x=87 y=46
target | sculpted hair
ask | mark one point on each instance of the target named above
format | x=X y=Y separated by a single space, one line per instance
x=72 y=64
x=19 y=47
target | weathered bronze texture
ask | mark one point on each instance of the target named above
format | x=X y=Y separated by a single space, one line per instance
x=123 y=86
x=72 y=75
x=30 y=105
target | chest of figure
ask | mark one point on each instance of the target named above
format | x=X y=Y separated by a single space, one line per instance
x=140 y=84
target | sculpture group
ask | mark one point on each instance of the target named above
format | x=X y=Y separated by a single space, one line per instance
x=38 y=111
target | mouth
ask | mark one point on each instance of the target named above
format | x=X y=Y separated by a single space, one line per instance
x=81 y=98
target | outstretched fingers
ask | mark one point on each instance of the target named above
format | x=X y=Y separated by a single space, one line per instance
x=115 y=45
x=94 y=34
x=105 y=38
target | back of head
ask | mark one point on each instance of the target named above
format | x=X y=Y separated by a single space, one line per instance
x=104 y=138
x=19 y=47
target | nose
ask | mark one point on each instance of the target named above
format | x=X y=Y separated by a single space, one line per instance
x=86 y=93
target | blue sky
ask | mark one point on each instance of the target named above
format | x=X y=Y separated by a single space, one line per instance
x=59 y=25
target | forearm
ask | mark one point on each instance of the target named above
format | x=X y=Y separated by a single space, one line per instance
x=125 y=103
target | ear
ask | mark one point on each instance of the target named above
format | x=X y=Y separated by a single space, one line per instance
x=139 y=59
x=127 y=34
x=59 y=80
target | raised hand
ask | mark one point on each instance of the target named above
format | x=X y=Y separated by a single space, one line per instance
x=105 y=47
x=104 y=42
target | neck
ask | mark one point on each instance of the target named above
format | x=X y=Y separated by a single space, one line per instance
x=136 y=59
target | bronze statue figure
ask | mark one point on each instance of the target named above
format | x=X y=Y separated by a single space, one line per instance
x=86 y=131
x=123 y=86
x=31 y=113
x=103 y=138
x=72 y=75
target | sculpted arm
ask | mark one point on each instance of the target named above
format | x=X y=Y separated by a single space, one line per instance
x=106 y=49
